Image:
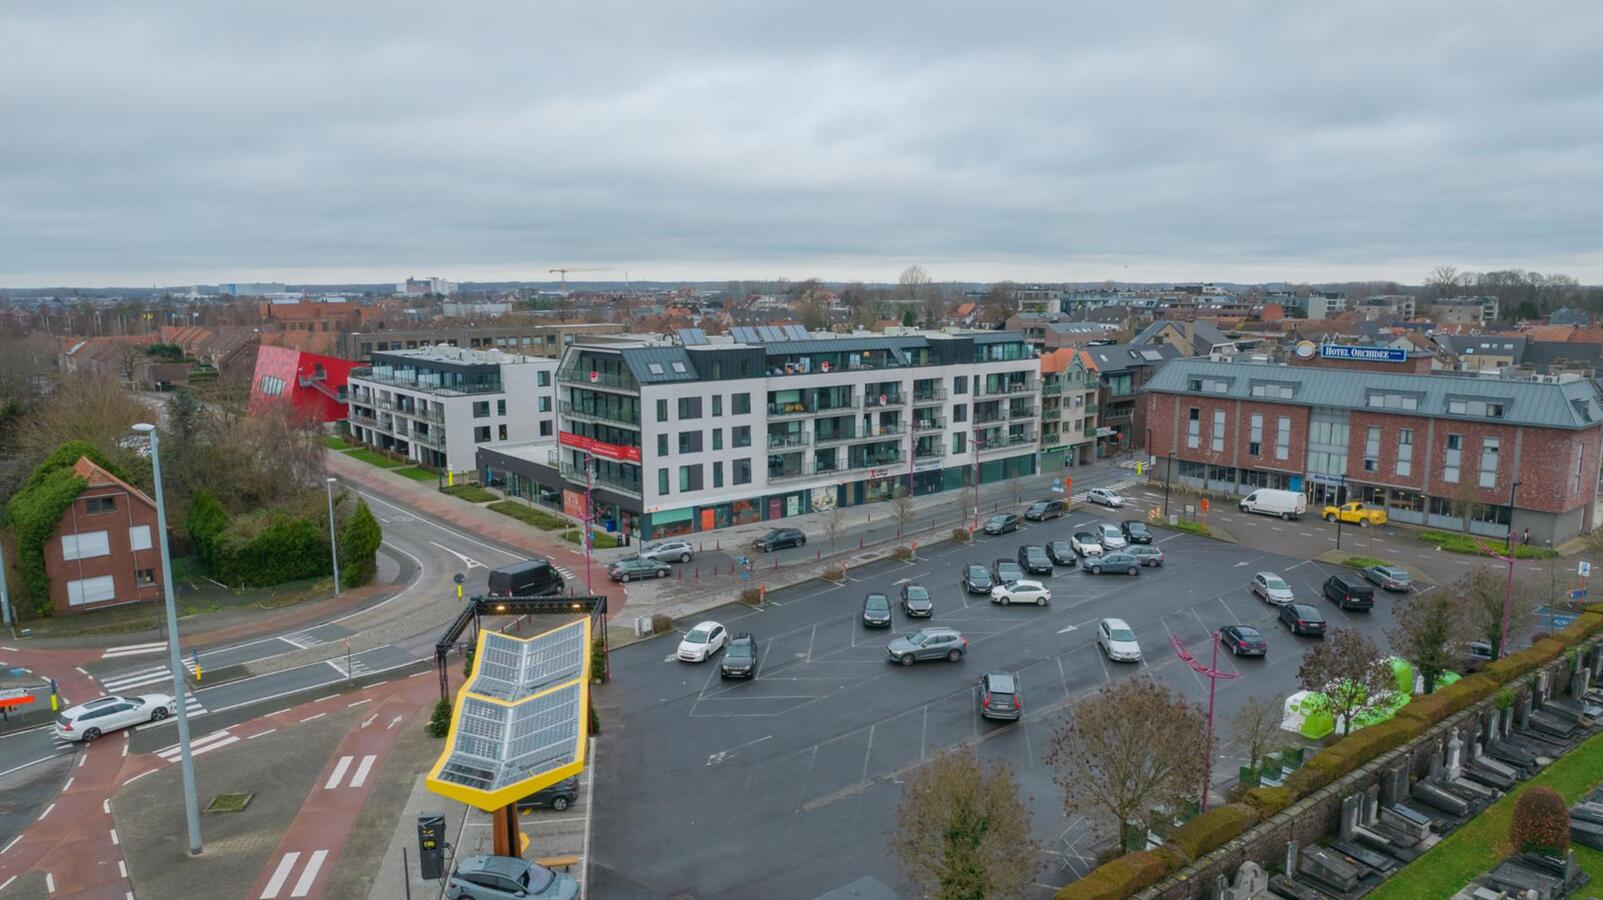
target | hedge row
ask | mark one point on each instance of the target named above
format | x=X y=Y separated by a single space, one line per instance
x=1133 y=872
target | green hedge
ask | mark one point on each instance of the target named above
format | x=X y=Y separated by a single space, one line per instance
x=262 y=549
x=1457 y=542
x=472 y=493
x=1119 y=878
x=359 y=541
x=206 y=521
x=1270 y=800
x=1212 y=830
x=599 y=540
x=529 y=515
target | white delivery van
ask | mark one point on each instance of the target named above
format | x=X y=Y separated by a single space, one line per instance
x=1270 y=502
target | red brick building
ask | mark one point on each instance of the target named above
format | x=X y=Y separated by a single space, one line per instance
x=1407 y=442
x=106 y=551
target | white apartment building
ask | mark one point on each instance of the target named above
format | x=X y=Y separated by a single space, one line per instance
x=437 y=405
x=694 y=434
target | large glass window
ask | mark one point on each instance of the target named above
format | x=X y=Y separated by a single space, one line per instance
x=740 y=436
x=1193 y=428
x=1489 y=448
x=662 y=445
x=1405 y=452
x=1283 y=438
x=1255 y=439
x=1218 y=431
x=1372 y=449
x=662 y=410
x=1455 y=452
x=717 y=404
x=740 y=404
x=662 y=481
x=742 y=471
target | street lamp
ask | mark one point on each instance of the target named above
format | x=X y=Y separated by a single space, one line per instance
x=1213 y=673
x=5 y=598
x=333 y=535
x=186 y=758
x=1508 y=593
x=1168 y=472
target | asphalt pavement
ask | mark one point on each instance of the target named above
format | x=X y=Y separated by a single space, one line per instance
x=781 y=786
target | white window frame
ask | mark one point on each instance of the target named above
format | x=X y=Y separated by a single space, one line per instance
x=87 y=545
x=1452 y=458
x=139 y=537
x=1372 y=448
x=1194 y=428
x=91 y=590
x=1255 y=440
x=1283 y=438
x=1405 y=452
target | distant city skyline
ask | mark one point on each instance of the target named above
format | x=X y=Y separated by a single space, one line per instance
x=178 y=144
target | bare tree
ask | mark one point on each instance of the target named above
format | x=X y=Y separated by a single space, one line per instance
x=1255 y=728
x=1466 y=499
x=833 y=526
x=1426 y=633
x=963 y=830
x=1348 y=673
x=914 y=283
x=1479 y=598
x=1443 y=281
x=902 y=506
x=82 y=407
x=1116 y=767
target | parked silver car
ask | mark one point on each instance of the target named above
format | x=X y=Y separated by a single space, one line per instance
x=668 y=551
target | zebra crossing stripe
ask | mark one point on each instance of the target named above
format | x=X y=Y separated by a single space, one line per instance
x=134 y=650
x=214 y=741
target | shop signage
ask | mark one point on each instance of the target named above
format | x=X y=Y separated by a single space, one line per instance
x=1363 y=354
x=929 y=465
x=1106 y=431
x=878 y=473
x=573 y=503
x=599 y=448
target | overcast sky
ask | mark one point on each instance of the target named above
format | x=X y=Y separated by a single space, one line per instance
x=207 y=142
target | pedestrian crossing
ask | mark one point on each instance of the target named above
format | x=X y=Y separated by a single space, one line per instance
x=217 y=740
x=134 y=650
x=359 y=666
x=302 y=639
x=286 y=868
x=358 y=772
x=152 y=679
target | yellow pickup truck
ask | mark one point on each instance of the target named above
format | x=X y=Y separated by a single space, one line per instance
x=1356 y=513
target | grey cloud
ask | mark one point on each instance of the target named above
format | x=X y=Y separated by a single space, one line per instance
x=202 y=142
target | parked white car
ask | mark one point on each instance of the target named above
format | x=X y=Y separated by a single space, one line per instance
x=1117 y=641
x=1272 y=588
x=1111 y=537
x=1105 y=497
x=95 y=718
x=1024 y=591
x=703 y=641
x=1085 y=544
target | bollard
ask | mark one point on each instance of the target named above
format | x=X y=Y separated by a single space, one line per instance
x=679 y=574
x=698 y=573
x=776 y=565
x=719 y=545
x=859 y=543
x=818 y=555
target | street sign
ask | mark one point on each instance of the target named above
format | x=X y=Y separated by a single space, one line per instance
x=15 y=697
x=457 y=578
x=1205 y=504
x=1584 y=568
x=1068 y=483
x=1578 y=593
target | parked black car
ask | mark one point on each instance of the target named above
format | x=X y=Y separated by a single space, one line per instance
x=1000 y=697
x=1062 y=553
x=916 y=601
x=1303 y=619
x=1001 y=523
x=977 y=579
x=1034 y=559
x=558 y=796
x=877 y=610
x=1006 y=571
x=1243 y=640
x=1347 y=592
x=1136 y=532
x=1041 y=510
x=780 y=538
x=740 y=657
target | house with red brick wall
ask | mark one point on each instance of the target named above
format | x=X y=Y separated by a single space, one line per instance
x=106 y=551
x=1416 y=444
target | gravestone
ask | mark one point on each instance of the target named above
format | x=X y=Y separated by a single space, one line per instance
x=1394 y=781
x=1220 y=888
x=1522 y=711
x=1505 y=723
x=1329 y=868
x=1371 y=806
x=1454 y=767
x=1349 y=815
x=1251 y=880
x=1290 y=866
x=1580 y=682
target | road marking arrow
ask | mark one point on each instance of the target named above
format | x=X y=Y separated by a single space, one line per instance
x=393 y=722
x=1067 y=630
x=369 y=720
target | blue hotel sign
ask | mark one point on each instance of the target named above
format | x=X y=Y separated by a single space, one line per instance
x=1363 y=354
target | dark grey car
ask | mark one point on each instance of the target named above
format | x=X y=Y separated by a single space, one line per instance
x=928 y=643
x=977 y=579
x=916 y=601
x=1006 y=571
x=1112 y=563
x=780 y=538
x=1000 y=697
x=877 y=610
x=1034 y=559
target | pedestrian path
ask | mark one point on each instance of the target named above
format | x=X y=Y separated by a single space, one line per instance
x=217 y=740
x=135 y=650
x=290 y=865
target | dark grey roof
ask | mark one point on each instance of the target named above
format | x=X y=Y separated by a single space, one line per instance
x=1120 y=357
x=843 y=345
x=640 y=360
x=1483 y=344
x=1573 y=404
x=1546 y=353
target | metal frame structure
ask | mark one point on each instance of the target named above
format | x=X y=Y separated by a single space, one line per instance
x=475 y=608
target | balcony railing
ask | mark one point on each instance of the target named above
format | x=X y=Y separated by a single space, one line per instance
x=791 y=408
x=576 y=474
x=872 y=400
x=835 y=437
x=583 y=415
x=1022 y=412
x=362 y=418
x=882 y=432
x=981 y=418
x=426 y=387
x=1051 y=388
x=936 y=395
x=877 y=460
x=929 y=424
x=434 y=439
x=810 y=469
x=1051 y=413
x=435 y=415
x=776 y=441
x=934 y=450
x=1028 y=385
x=602 y=380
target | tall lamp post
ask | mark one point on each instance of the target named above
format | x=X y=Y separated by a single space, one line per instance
x=1168 y=472
x=186 y=758
x=5 y=598
x=333 y=534
x=1508 y=592
x=1213 y=674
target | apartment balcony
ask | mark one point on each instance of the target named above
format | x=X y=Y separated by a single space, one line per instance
x=435 y=415
x=872 y=400
x=435 y=439
x=386 y=404
x=1051 y=388
x=878 y=460
x=1051 y=413
x=576 y=475
x=982 y=418
x=1002 y=389
x=935 y=450
x=835 y=437
x=796 y=408
x=882 y=432
x=604 y=380
x=929 y=425
x=1090 y=431
x=776 y=441
x=362 y=419
x=1023 y=412
x=581 y=415
x=924 y=398
x=424 y=386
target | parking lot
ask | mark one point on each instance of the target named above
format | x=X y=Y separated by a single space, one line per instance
x=784 y=786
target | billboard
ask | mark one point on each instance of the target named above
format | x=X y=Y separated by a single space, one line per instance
x=1363 y=354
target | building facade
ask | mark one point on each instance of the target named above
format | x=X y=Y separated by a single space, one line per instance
x=1068 y=410
x=437 y=405
x=313 y=384
x=1121 y=371
x=105 y=549
x=529 y=339
x=682 y=438
x=1430 y=449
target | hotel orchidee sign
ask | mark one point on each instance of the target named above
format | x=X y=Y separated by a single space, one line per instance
x=599 y=448
x=1357 y=354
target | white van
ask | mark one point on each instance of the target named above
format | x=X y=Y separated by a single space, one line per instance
x=1270 y=502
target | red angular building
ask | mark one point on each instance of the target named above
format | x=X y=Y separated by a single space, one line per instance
x=312 y=383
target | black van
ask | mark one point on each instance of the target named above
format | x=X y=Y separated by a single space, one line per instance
x=530 y=578
x=1348 y=592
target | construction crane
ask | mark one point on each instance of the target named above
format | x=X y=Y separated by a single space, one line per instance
x=565 y=276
